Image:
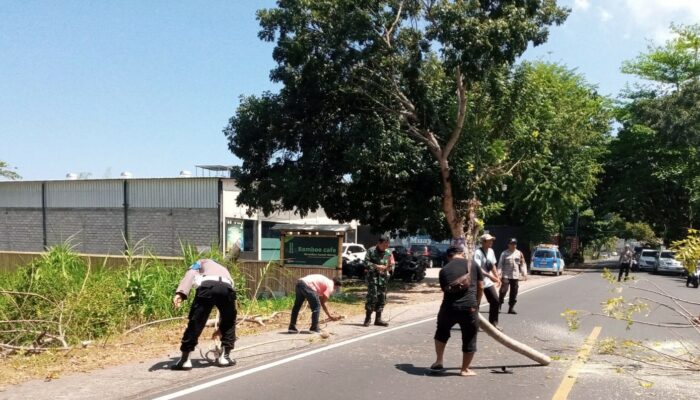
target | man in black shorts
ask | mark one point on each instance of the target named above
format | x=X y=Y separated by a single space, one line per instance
x=460 y=307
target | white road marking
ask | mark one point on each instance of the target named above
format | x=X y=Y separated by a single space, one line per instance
x=299 y=356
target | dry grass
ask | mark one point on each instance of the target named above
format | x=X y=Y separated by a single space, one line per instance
x=141 y=346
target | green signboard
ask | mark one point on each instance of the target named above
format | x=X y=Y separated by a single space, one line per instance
x=317 y=251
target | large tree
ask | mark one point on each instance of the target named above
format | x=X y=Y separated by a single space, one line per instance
x=653 y=170
x=392 y=112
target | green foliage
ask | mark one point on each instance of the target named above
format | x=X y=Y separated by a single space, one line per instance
x=640 y=231
x=675 y=62
x=560 y=133
x=688 y=250
x=652 y=173
x=81 y=302
x=6 y=173
x=368 y=108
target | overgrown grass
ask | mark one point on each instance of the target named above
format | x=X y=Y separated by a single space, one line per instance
x=60 y=295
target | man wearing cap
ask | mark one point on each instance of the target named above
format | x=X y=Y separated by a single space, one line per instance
x=485 y=258
x=512 y=268
x=459 y=306
x=379 y=263
x=214 y=288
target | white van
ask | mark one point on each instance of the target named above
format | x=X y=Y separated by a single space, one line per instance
x=353 y=251
x=647 y=259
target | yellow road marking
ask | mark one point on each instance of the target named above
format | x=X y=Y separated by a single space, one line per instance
x=567 y=383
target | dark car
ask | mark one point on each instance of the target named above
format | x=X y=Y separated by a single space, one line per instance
x=431 y=252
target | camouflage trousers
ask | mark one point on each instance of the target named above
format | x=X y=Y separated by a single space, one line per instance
x=376 y=293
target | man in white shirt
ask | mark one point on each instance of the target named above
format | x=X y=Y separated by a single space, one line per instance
x=485 y=258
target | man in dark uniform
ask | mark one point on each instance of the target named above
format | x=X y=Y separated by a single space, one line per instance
x=460 y=305
x=379 y=263
x=214 y=288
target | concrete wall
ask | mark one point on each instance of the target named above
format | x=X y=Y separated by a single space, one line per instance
x=91 y=230
x=21 y=229
x=163 y=229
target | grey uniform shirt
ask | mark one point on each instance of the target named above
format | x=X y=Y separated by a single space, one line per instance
x=206 y=267
x=512 y=264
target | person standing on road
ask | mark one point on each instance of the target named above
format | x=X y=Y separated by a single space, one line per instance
x=625 y=261
x=316 y=289
x=214 y=288
x=379 y=263
x=512 y=268
x=462 y=286
x=485 y=259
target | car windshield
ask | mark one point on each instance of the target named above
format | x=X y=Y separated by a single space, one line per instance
x=667 y=254
x=649 y=253
x=418 y=247
x=544 y=254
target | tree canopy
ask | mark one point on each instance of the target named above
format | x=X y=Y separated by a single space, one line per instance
x=652 y=173
x=390 y=112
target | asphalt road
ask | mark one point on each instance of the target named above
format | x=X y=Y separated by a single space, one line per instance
x=392 y=363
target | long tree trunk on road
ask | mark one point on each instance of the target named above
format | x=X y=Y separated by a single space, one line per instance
x=513 y=344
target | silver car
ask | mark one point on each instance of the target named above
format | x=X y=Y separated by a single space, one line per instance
x=666 y=262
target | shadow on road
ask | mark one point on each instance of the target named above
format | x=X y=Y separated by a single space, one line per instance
x=425 y=371
x=165 y=365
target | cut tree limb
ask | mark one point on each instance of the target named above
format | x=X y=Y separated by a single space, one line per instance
x=513 y=344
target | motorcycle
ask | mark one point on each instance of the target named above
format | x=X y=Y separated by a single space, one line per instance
x=354 y=268
x=411 y=269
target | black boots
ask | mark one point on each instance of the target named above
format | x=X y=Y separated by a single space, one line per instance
x=184 y=363
x=368 y=318
x=511 y=310
x=378 y=320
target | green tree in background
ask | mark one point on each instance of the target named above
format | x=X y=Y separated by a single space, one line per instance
x=5 y=172
x=674 y=63
x=560 y=130
x=391 y=112
x=653 y=170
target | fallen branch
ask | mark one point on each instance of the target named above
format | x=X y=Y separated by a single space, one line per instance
x=665 y=295
x=513 y=344
x=32 y=349
x=152 y=323
x=26 y=294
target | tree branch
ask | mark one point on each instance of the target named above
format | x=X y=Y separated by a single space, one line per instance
x=461 y=114
x=387 y=34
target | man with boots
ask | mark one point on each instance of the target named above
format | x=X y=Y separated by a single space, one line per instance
x=513 y=268
x=379 y=263
x=214 y=288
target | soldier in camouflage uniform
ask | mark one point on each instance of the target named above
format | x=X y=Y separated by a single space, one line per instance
x=379 y=263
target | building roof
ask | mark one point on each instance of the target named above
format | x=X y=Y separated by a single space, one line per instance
x=311 y=228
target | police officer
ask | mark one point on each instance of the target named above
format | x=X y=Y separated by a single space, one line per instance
x=214 y=288
x=379 y=263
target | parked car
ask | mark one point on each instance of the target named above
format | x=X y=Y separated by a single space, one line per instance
x=666 y=262
x=353 y=251
x=647 y=259
x=430 y=252
x=547 y=258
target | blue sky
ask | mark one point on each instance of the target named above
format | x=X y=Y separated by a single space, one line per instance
x=147 y=86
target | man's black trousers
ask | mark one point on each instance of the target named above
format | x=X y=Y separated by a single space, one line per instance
x=211 y=294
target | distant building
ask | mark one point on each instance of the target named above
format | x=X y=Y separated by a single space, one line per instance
x=98 y=215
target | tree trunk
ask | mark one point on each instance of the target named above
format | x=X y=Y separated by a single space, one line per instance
x=454 y=220
x=513 y=344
